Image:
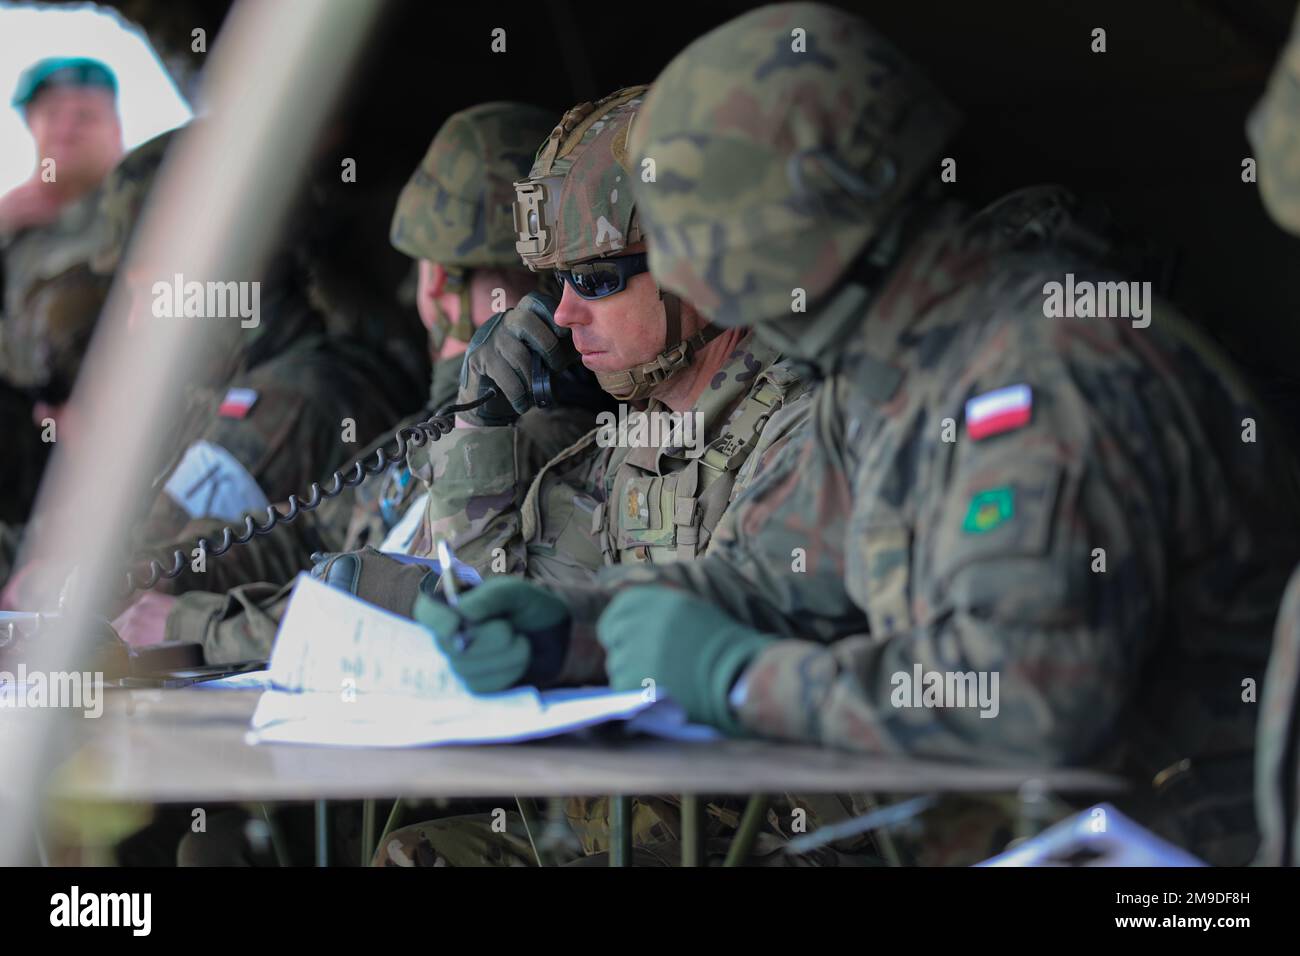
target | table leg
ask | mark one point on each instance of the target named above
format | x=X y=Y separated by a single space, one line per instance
x=885 y=840
x=742 y=844
x=367 y=832
x=42 y=854
x=620 y=825
x=1035 y=809
x=692 y=830
x=532 y=824
x=322 y=834
x=394 y=817
x=277 y=837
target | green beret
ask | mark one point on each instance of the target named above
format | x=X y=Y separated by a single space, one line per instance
x=63 y=71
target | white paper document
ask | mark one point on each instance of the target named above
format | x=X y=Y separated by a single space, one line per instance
x=346 y=673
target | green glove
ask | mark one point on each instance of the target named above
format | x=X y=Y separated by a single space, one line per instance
x=504 y=632
x=692 y=650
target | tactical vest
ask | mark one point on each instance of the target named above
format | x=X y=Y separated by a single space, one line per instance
x=647 y=517
x=654 y=518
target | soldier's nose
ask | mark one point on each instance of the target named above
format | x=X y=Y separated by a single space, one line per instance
x=572 y=309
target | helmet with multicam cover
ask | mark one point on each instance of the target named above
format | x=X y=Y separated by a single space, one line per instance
x=783 y=143
x=456 y=210
x=576 y=208
x=574 y=205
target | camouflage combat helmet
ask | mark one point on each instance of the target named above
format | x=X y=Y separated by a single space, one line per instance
x=124 y=193
x=577 y=205
x=782 y=144
x=456 y=208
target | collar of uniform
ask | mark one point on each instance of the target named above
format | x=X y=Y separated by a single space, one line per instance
x=938 y=263
x=73 y=236
x=737 y=377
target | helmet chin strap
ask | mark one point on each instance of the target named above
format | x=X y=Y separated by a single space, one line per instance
x=460 y=328
x=636 y=383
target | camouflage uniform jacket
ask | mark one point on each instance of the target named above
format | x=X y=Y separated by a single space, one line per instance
x=600 y=502
x=985 y=554
x=30 y=256
x=594 y=505
x=239 y=621
x=358 y=516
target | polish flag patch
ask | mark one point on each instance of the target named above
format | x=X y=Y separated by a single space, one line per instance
x=1001 y=410
x=237 y=403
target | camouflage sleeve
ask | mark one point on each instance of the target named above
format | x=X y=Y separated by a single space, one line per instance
x=345 y=522
x=237 y=626
x=478 y=479
x=1012 y=581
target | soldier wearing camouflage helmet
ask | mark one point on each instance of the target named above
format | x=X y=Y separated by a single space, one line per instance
x=608 y=500
x=454 y=217
x=1064 y=504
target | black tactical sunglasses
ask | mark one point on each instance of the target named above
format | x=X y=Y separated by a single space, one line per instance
x=595 y=280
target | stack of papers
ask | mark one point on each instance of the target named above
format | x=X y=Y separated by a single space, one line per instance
x=346 y=673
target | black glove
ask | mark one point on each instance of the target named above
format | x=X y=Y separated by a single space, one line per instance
x=371 y=576
x=500 y=357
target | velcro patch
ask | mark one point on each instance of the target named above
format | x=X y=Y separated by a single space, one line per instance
x=210 y=482
x=238 y=403
x=989 y=509
x=1001 y=410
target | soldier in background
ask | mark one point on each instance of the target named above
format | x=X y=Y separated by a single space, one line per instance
x=288 y=405
x=70 y=106
x=454 y=216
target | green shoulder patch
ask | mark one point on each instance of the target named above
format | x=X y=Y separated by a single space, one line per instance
x=990 y=509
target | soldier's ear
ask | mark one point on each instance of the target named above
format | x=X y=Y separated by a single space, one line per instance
x=437 y=279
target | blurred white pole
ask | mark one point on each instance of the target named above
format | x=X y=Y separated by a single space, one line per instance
x=214 y=215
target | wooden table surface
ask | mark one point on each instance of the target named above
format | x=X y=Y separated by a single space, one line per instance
x=185 y=745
